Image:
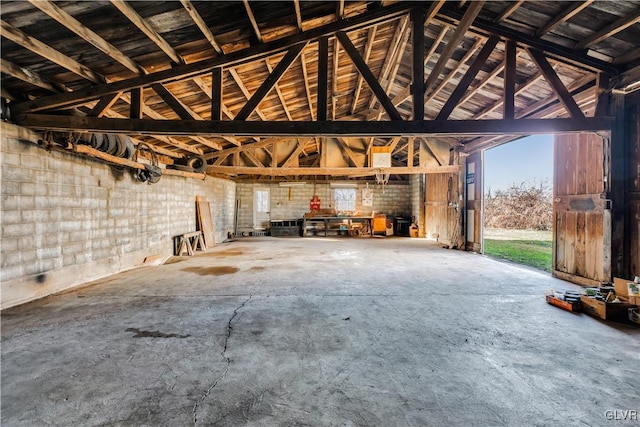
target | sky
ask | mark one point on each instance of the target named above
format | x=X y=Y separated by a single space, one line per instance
x=528 y=159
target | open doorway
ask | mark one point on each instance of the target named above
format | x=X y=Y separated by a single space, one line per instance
x=518 y=202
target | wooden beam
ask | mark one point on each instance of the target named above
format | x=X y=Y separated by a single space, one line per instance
x=252 y=19
x=36 y=46
x=532 y=80
x=147 y=29
x=312 y=129
x=236 y=77
x=294 y=155
x=563 y=17
x=547 y=103
x=58 y=14
x=610 y=30
x=334 y=77
x=249 y=155
x=509 y=80
x=364 y=171
x=410 y=152
x=216 y=94
x=296 y=5
x=395 y=46
x=344 y=146
x=468 y=77
x=417 y=75
x=323 y=71
x=260 y=144
x=283 y=101
x=186 y=71
x=602 y=95
x=137 y=103
x=270 y=81
x=30 y=77
x=340 y=10
x=427 y=143
x=556 y=84
x=513 y=6
x=364 y=70
x=453 y=43
x=105 y=103
x=204 y=28
x=182 y=110
x=371 y=34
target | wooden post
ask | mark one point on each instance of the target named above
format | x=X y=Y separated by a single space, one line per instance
x=323 y=64
x=216 y=94
x=620 y=239
x=136 y=103
x=509 y=80
x=417 y=87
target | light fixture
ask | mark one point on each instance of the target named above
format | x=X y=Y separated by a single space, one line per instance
x=343 y=184
x=292 y=184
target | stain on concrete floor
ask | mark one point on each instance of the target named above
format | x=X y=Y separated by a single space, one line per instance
x=212 y=271
x=153 y=334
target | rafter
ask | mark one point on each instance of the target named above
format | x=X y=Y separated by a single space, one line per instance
x=294 y=155
x=147 y=29
x=105 y=103
x=564 y=16
x=371 y=34
x=610 y=30
x=344 y=146
x=252 y=19
x=296 y=5
x=31 y=77
x=513 y=6
x=182 y=72
x=283 y=102
x=36 y=46
x=204 y=28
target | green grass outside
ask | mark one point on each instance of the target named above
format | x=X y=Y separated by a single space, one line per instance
x=533 y=253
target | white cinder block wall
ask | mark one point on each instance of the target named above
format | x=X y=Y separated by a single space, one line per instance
x=67 y=220
x=292 y=202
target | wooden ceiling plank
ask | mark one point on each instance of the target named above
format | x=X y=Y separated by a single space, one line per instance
x=236 y=77
x=68 y=21
x=36 y=46
x=564 y=16
x=283 y=101
x=609 y=30
x=186 y=71
x=547 y=103
x=513 y=6
x=556 y=84
x=31 y=77
x=629 y=56
x=532 y=80
x=453 y=43
x=270 y=81
x=371 y=34
x=252 y=19
x=147 y=29
x=370 y=78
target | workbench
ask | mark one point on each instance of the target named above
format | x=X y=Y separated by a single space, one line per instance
x=340 y=225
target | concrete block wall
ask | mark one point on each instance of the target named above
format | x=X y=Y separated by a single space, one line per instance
x=293 y=202
x=67 y=220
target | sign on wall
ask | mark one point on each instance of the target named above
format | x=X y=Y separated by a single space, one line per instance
x=367 y=196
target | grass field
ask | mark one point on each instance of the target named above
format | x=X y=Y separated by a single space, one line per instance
x=531 y=248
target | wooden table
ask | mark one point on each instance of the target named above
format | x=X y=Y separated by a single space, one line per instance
x=337 y=224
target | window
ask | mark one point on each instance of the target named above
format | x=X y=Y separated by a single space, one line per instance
x=262 y=201
x=345 y=199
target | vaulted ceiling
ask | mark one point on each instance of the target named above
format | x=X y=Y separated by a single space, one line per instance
x=265 y=84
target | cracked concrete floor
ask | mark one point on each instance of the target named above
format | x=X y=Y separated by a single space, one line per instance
x=316 y=331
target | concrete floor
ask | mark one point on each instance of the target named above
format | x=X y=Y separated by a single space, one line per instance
x=316 y=331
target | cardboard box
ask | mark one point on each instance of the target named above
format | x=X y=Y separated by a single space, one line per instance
x=603 y=310
x=627 y=289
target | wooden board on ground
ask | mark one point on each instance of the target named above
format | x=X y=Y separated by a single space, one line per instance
x=205 y=221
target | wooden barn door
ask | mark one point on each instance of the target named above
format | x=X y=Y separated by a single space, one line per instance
x=581 y=214
x=473 y=221
x=441 y=213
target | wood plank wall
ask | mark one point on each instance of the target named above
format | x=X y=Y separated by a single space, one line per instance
x=440 y=218
x=633 y=209
x=581 y=219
